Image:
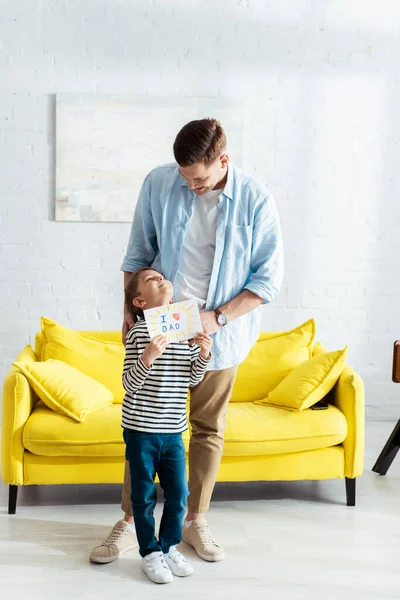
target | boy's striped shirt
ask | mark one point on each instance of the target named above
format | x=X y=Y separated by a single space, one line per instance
x=155 y=399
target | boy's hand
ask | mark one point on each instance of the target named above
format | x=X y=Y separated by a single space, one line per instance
x=205 y=342
x=154 y=350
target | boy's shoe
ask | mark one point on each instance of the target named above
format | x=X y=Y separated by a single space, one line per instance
x=198 y=535
x=120 y=540
x=177 y=563
x=156 y=568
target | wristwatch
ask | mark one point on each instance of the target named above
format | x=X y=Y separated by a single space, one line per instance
x=222 y=319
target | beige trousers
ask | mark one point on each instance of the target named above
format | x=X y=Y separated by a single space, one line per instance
x=208 y=407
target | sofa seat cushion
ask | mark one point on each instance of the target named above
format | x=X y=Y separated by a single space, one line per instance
x=254 y=429
x=49 y=434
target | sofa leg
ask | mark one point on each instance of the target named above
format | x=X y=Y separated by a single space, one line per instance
x=350 y=491
x=12 y=499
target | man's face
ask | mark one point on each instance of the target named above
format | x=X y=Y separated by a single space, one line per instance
x=203 y=178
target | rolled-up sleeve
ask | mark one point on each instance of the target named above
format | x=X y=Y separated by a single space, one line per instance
x=267 y=252
x=142 y=245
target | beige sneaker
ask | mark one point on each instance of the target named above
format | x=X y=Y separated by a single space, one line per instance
x=199 y=536
x=120 y=540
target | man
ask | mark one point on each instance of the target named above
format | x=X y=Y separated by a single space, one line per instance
x=214 y=232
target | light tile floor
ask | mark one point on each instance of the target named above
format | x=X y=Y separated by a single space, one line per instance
x=289 y=541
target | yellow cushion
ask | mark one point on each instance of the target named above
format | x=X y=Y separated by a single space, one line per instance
x=309 y=382
x=270 y=360
x=64 y=389
x=318 y=349
x=100 y=360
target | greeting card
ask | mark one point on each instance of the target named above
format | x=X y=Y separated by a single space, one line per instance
x=179 y=321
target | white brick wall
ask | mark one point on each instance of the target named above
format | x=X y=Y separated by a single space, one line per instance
x=322 y=129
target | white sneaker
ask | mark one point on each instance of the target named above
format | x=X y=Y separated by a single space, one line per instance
x=156 y=568
x=177 y=563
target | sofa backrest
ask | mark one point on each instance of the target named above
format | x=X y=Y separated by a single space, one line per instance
x=115 y=336
x=104 y=336
x=255 y=379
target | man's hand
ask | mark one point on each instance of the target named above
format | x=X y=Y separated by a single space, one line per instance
x=209 y=322
x=127 y=324
x=154 y=350
x=205 y=342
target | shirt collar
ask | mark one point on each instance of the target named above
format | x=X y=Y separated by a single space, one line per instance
x=228 y=189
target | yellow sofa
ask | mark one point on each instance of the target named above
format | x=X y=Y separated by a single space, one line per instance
x=41 y=447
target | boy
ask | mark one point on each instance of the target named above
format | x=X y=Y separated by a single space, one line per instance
x=156 y=378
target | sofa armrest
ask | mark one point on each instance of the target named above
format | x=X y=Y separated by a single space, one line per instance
x=17 y=405
x=348 y=396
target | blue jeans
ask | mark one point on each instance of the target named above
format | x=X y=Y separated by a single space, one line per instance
x=162 y=454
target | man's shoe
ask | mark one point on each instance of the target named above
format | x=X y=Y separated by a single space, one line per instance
x=120 y=540
x=156 y=568
x=199 y=536
x=177 y=563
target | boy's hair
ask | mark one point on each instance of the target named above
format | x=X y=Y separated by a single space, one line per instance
x=132 y=292
x=199 y=141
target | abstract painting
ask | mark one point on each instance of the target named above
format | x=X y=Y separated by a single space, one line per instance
x=106 y=145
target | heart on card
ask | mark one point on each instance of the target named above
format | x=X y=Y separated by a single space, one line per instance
x=176 y=316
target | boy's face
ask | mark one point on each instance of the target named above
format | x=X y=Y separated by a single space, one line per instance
x=154 y=290
x=203 y=178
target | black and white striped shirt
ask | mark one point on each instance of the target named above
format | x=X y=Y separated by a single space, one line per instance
x=155 y=398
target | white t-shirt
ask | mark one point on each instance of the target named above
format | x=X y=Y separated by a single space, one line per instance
x=197 y=256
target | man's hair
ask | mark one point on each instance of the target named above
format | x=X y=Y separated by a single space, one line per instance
x=199 y=141
x=132 y=292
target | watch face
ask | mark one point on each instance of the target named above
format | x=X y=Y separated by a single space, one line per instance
x=222 y=320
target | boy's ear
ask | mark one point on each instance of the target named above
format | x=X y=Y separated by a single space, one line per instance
x=139 y=302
